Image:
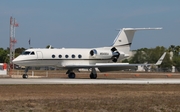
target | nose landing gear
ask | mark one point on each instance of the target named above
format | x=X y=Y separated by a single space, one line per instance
x=25 y=75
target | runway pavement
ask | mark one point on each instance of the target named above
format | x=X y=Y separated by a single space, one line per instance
x=89 y=81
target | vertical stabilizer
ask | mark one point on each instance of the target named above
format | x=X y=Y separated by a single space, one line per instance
x=124 y=38
x=161 y=59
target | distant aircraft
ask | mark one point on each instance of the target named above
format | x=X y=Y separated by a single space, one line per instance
x=147 y=66
x=103 y=58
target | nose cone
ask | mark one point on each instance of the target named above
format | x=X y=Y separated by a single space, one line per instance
x=16 y=61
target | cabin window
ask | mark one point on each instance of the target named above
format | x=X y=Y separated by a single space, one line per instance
x=66 y=56
x=60 y=56
x=53 y=56
x=79 y=56
x=73 y=56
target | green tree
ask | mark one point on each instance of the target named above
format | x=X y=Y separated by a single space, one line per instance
x=176 y=50
x=151 y=56
x=3 y=56
x=19 y=51
x=167 y=62
x=49 y=46
x=139 y=57
x=171 y=48
x=156 y=53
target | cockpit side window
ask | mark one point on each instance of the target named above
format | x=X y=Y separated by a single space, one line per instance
x=26 y=53
x=32 y=53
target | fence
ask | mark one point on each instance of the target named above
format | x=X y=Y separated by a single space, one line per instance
x=85 y=74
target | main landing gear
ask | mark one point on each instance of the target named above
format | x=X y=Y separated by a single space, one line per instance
x=72 y=75
x=93 y=74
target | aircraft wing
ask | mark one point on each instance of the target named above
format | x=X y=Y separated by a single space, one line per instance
x=104 y=67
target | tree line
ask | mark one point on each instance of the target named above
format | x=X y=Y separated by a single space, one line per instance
x=4 y=54
x=150 y=55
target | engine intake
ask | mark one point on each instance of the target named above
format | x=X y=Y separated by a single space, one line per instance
x=100 y=54
x=93 y=52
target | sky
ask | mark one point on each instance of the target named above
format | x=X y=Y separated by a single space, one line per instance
x=89 y=23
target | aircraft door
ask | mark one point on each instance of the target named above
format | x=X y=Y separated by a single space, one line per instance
x=39 y=55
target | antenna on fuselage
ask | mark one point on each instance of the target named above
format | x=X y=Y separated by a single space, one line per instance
x=29 y=42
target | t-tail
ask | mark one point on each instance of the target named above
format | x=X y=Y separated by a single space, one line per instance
x=124 y=38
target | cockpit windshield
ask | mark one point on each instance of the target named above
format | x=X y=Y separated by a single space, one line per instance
x=28 y=53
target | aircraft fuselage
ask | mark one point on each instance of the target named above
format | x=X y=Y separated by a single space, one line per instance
x=66 y=56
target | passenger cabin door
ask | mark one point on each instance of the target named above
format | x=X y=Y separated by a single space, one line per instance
x=39 y=55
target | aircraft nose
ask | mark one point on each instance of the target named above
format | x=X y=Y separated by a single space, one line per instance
x=15 y=61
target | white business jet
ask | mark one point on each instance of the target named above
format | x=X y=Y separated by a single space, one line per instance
x=103 y=58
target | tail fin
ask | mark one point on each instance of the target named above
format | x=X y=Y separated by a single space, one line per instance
x=161 y=59
x=125 y=36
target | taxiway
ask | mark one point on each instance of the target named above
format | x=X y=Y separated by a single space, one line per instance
x=89 y=81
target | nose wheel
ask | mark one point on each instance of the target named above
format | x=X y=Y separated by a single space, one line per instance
x=24 y=76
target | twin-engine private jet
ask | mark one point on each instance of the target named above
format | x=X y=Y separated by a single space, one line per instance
x=103 y=58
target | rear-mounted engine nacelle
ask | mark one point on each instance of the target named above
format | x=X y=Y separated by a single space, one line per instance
x=101 y=54
x=114 y=55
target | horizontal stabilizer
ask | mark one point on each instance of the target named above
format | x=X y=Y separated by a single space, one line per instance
x=135 y=29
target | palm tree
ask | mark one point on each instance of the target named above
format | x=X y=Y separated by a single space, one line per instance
x=49 y=46
x=171 y=48
x=177 y=50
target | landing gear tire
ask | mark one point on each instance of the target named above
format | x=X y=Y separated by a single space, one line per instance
x=24 y=76
x=93 y=76
x=71 y=75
